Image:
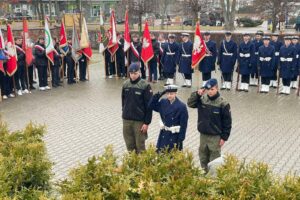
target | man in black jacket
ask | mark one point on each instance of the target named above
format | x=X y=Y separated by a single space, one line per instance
x=214 y=121
x=41 y=62
x=20 y=75
x=136 y=94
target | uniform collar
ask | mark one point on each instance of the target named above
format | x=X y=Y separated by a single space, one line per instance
x=135 y=81
x=214 y=97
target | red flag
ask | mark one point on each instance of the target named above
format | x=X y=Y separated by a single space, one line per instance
x=199 y=48
x=126 y=33
x=112 y=43
x=2 y=54
x=27 y=47
x=147 y=50
x=63 y=45
x=12 y=53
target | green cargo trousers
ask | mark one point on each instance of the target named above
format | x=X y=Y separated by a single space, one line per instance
x=134 y=138
x=209 y=149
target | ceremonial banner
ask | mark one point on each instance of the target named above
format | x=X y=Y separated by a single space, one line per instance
x=85 y=41
x=112 y=43
x=27 y=45
x=2 y=54
x=147 y=50
x=103 y=40
x=199 y=47
x=63 y=45
x=11 y=52
x=126 y=33
x=49 y=43
x=75 y=45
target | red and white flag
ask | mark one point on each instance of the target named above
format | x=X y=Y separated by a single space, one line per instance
x=147 y=50
x=63 y=45
x=11 y=52
x=85 y=41
x=27 y=46
x=199 y=47
x=112 y=42
x=126 y=33
x=49 y=43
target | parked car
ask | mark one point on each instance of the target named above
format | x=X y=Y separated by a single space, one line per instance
x=188 y=22
x=17 y=16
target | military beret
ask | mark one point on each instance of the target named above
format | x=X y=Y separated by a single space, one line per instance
x=266 y=37
x=259 y=33
x=171 y=35
x=185 y=34
x=134 y=67
x=171 y=88
x=211 y=83
x=206 y=33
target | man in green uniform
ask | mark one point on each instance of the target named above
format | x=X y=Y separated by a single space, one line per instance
x=136 y=94
x=214 y=121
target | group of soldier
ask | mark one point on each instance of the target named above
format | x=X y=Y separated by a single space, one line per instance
x=49 y=74
x=264 y=61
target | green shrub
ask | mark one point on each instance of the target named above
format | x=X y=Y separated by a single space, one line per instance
x=247 y=22
x=173 y=176
x=25 y=170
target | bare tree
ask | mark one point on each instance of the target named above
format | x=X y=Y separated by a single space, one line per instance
x=276 y=9
x=229 y=10
x=164 y=5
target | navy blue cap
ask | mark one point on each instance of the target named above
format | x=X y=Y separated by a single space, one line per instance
x=211 y=83
x=171 y=88
x=134 y=67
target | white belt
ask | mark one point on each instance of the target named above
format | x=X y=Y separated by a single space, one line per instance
x=227 y=54
x=297 y=56
x=173 y=129
x=276 y=53
x=265 y=59
x=186 y=55
x=286 y=59
x=208 y=55
x=256 y=53
x=170 y=54
x=246 y=55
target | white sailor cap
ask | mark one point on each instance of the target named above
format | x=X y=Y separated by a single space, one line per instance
x=171 y=35
x=185 y=34
x=171 y=88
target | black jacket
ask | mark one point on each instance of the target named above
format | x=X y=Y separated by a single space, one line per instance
x=21 y=57
x=135 y=98
x=40 y=56
x=132 y=57
x=214 y=116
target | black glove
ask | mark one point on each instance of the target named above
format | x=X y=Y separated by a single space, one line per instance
x=159 y=94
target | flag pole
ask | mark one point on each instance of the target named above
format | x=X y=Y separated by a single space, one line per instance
x=14 y=83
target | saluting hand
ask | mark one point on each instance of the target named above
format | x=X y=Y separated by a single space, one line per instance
x=201 y=91
x=222 y=142
x=144 y=128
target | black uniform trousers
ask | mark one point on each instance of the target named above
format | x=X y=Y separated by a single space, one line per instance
x=82 y=69
x=43 y=75
x=245 y=79
x=20 y=78
x=206 y=76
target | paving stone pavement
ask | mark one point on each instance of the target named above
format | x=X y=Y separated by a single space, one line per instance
x=83 y=118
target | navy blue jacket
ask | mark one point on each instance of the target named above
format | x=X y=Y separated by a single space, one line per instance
x=277 y=45
x=169 y=57
x=227 y=56
x=209 y=61
x=246 y=57
x=297 y=68
x=266 y=61
x=257 y=44
x=287 y=67
x=185 y=57
x=174 y=114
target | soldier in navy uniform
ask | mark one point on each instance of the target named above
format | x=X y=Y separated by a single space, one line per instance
x=174 y=119
x=257 y=42
x=82 y=67
x=288 y=63
x=42 y=64
x=276 y=43
x=169 y=58
x=162 y=42
x=185 y=59
x=207 y=65
x=20 y=75
x=296 y=44
x=266 y=63
x=153 y=62
x=120 y=55
x=227 y=59
x=135 y=52
x=245 y=59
